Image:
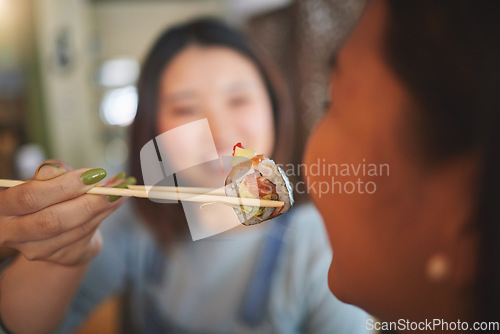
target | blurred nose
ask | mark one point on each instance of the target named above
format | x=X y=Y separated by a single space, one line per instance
x=223 y=131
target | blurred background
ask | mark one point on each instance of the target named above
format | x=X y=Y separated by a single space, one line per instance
x=68 y=70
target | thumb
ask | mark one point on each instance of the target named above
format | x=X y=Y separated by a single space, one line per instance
x=50 y=169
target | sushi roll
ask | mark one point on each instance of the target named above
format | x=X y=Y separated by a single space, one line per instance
x=255 y=176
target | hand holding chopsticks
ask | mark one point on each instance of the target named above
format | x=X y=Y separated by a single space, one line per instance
x=190 y=194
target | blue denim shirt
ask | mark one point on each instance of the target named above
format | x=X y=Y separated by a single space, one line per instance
x=268 y=278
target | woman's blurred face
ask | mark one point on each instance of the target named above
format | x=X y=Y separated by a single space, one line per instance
x=223 y=86
x=381 y=234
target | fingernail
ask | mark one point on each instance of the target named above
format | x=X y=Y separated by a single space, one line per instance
x=93 y=176
x=131 y=181
x=47 y=164
x=128 y=182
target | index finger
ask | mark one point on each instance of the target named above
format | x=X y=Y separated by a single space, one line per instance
x=35 y=195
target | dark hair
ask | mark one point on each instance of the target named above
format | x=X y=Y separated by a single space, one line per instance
x=204 y=32
x=447 y=53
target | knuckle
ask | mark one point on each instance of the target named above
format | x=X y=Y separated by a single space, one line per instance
x=26 y=198
x=57 y=257
x=61 y=256
x=87 y=208
x=85 y=228
x=47 y=254
x=31 y=256
x=62 y=188
x=50 y=222
x=34 y=252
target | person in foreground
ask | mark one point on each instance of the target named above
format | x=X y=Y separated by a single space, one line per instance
x=415 y=86
x=270 y=278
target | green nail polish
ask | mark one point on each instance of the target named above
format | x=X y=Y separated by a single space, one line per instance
x=128 y=182
x=112 y=198
x=93 y=176
x=47 y=164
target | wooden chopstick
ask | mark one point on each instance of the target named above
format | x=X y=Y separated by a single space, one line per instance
x=188 y=190
x=182 y=196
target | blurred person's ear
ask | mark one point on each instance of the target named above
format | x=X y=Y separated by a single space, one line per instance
x=452 y=190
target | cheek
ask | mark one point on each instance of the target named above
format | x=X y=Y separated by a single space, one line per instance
x=349 y=216
x=370 y=233
x=315 y=151
x=327 y=150
x=322 y=150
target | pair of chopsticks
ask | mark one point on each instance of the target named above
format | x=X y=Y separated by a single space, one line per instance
x=189 y=194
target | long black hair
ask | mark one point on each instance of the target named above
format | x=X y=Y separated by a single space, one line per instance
x=203 y=32
x=447 y=53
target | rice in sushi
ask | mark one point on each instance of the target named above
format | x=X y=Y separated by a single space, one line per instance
x=255 y=176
